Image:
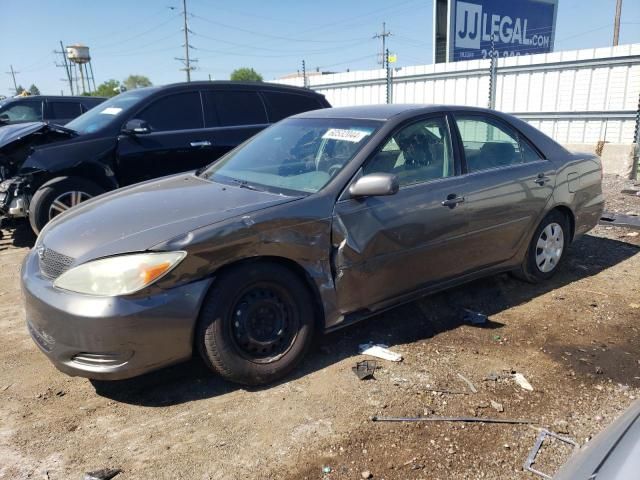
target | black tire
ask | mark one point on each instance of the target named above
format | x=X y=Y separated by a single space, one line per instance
x=44 y=197
x=248 y=350
x=530 y=271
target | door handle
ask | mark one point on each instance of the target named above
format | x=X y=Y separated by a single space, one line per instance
x=452 y=200
x=202 y=143
x=541 y=179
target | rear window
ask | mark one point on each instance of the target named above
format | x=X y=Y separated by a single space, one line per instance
x=234 y=108
x=64 y=109
x=182 y=111
x=283 y=105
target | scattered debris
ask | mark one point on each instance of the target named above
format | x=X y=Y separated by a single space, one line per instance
x=468 y=382
x=474 y=318
x=366 y=474
x=599 y=371
x=379 y=351
x=365 y=369
x=631 y=191
x=497 y=406
x=493 y=377
x=6 y=387
x=632 y=234
x=620 y=220
x=453 y=419
x=451 y=392
x=104 y=474
x=523 y=382
x=531 y=459
x=326 y=469
x=634 y=305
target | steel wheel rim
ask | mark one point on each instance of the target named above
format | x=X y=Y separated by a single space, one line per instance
x=264 y=324
x=67 y=200
x=549 y=247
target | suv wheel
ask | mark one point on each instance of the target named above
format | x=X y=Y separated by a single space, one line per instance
x=256 y=323
x=57 y=196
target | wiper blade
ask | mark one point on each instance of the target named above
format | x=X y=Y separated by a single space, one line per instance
x=60 y=128
x=245 y=184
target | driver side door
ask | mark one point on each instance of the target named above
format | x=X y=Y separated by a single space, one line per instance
x=388 y=246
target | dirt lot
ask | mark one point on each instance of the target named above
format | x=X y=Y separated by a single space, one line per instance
x=576 y=339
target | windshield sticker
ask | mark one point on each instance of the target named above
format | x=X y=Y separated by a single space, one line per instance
x=111 y=111
x=345 y=135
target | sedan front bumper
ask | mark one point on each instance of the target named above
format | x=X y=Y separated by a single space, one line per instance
x=109 y=338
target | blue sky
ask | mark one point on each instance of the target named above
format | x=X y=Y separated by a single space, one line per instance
x=144 y=36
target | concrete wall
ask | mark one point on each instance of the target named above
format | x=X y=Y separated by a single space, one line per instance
x=617 y=158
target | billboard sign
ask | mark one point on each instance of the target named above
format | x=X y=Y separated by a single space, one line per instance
x=517 y=27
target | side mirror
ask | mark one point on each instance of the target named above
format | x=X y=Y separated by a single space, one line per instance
x=136 y=127
x=4 y=118
x=375 y=185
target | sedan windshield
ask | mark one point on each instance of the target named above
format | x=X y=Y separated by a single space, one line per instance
x=104 y=113
x=295 y=155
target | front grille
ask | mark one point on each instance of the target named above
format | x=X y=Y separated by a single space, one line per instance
x=52 y=263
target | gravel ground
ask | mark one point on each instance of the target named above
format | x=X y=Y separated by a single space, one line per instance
x=574 y=338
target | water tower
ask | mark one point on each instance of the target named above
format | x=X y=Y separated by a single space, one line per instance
x=80 y=59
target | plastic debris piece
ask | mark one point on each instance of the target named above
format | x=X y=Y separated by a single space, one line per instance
x=523 y=382
x=474 y=318
x=497 y=406
x=326 y=469
x=104 y=474
x=531 y=458
x=365 y=369
x=468 y=382
x=379 y=351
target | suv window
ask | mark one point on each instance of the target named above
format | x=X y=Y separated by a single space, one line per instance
x=22 y=112
x=234 y=108
x=181 y=111
x=64 y=109
x=417 y=153
x=488 y=143
x=282 y=105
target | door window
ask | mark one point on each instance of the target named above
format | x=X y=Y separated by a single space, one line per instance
x=234 y=108
x=488 y=143
x=417 y=153
x=182 y=111
x=22 y=112
x=64 y=109
x=283 y=105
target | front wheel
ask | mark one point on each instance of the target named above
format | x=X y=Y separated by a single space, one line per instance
x=256 y=324
x=57 y=196
x=547 y=248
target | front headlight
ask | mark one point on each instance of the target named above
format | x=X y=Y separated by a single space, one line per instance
x=120 y=275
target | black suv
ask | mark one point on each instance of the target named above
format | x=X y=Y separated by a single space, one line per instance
x=45 y=108
x=138 y=135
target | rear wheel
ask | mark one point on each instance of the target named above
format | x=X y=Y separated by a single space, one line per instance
x=256 y=323
x=57 y=196
x=547 y=248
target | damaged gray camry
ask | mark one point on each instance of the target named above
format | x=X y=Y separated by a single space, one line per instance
x=321 y=220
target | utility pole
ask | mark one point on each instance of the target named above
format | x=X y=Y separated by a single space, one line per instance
x=65 y=64
x=616 y=23
x=186 y=41
x=13 y=75
x=383 y=36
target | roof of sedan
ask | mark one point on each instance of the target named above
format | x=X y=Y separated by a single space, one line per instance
x=380 y=112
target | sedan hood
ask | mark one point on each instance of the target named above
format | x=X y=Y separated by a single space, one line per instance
x=137 y=218
x=18 y=131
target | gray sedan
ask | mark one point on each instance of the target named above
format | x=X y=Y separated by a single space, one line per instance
x=322 y=220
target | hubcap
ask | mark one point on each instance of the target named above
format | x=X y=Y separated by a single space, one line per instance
x=263 y=324
x=65 y=201
x=549 y=247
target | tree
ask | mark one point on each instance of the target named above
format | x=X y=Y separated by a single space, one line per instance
x=136 y=81
x=245 y=75
x=19 y=89
x=109 y=88
x=33 y=90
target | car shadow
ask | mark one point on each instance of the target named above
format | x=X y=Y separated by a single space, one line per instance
x=16 y=233
x=418 y=320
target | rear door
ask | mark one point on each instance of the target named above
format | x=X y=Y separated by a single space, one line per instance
x=177 y=142
x=391 y=245
x=231 y=117
x=507 y=186
x=62 y=111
